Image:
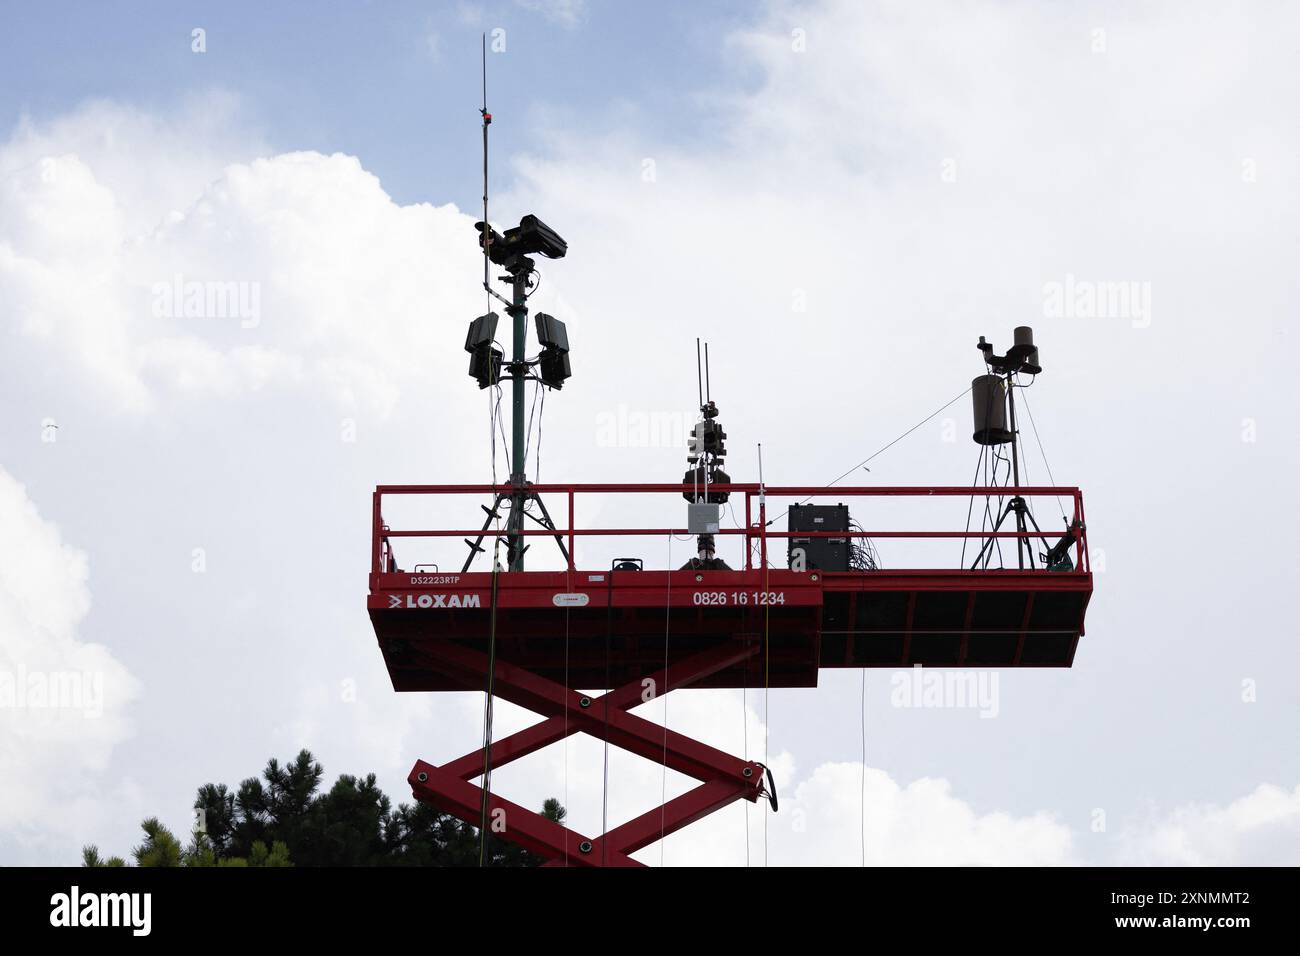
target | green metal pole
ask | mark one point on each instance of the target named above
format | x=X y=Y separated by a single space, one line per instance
x=519 y=312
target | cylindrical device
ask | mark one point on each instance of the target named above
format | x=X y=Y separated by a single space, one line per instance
x=989 y=398
x=1027 y=350
x=694 y=481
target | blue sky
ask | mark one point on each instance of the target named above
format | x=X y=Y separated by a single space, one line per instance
x=395 y=84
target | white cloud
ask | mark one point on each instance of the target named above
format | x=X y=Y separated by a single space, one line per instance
x=331 y=284
x=922 y=823
x=1259 y=829
x=825 y=815
x=63 y=700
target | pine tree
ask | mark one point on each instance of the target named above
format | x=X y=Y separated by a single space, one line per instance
x=280 y=819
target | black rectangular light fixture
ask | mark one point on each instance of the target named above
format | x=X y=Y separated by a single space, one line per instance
x=482 y=331
x=553 y=368
x=485 y=365
x=553 y=365
x=484 y=360
x=551 y=332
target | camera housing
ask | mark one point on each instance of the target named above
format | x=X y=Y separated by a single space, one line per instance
x=530 y=237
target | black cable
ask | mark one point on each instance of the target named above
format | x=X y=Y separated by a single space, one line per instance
x=1046 y=463
x=528 y=437
x=569 y=587
x=541 y=417
x=609 y=631
x=487 y=711
x=992 y=522
x=880 y=451
x=862 y=796
x=505 y=443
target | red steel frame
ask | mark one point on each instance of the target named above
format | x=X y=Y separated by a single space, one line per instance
x=754 y=529
x=723 y=779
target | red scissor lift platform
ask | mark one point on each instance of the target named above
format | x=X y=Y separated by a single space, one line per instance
x=556 y=634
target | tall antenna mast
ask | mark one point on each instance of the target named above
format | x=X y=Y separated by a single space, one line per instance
x=512 y=252
x=699 y=374
x=487 y=121
x=705 y=453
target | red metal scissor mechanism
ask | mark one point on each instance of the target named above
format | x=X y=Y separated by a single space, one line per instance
x=643 y=633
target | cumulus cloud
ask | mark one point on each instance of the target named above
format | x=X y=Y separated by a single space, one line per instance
x=63 y=700
x=821 y=813
x=1260 y=829
x=838 y=815
x=294 y=270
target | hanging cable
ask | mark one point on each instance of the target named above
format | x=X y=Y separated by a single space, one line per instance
x=1046 y=463
x=501 y=427
x=487 y=708
x=744 y=725
x=970 y=508
x=663 y=779
x=493 y=405
x=862 y=793
x=881 y=450
x=541 y=417
x=989 y=512
x=767 y=688
x=609 y=631
x=494 y=411
x=1027 y=482
x=528 y=437
x=568 y=588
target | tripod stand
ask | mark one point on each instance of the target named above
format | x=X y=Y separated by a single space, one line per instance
x=1022 y=357
x=1020 y=508
x=515 y=547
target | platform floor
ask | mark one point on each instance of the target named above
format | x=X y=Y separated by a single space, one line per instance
x=622 y=625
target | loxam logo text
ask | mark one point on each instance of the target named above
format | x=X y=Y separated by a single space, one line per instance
x=433 y=600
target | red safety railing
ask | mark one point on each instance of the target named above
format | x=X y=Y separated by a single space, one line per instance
x=755 y=531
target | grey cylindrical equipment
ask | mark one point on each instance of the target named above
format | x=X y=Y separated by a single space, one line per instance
x=989 y=398
x=1026 y=348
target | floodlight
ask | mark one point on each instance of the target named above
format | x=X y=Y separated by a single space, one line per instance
x=551 y=332
x=485 y=365
x=482 y=331
x=553 y=367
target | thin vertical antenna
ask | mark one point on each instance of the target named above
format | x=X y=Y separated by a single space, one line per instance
x=698 y=381
x=487 y=226
x=707 y=396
